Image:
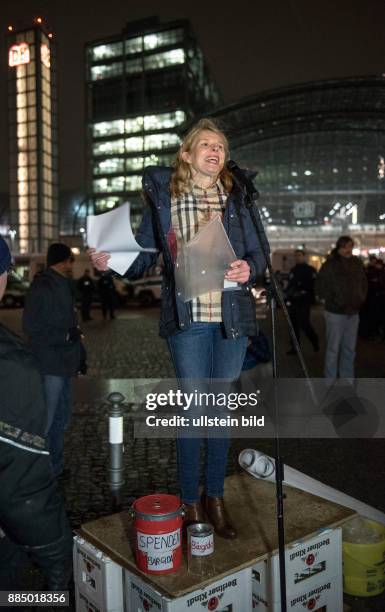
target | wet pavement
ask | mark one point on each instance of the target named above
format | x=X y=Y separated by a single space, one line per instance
x=129 y=347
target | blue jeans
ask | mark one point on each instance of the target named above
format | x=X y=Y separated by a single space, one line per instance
x=58 y=395
x=341 y=340
x=202 y=352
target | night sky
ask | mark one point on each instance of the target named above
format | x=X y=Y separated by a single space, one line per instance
x=249 y=47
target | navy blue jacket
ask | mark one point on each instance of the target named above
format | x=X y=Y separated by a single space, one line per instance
x=238 y=307
x=49 y=315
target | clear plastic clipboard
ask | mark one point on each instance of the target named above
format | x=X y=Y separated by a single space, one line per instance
x=202 y=262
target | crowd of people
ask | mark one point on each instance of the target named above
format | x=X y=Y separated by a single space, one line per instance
x=353 y=295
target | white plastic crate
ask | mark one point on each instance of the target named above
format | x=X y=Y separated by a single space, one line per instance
x=326 y=596
x=83 y=604
x=307 y=563
x=98 y=579
x=231 y=594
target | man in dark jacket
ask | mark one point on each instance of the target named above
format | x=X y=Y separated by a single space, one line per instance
x=32 y=516
x=106 y=288
x=50 y=323
x=85 y=287
x=300 y=295
x=342 y=284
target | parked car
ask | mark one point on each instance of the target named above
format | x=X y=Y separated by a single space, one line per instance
x=16 y=291
x=147 y=290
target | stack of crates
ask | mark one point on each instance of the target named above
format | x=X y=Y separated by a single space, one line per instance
x=313 y=576
x=98 y=580
x=313 y=582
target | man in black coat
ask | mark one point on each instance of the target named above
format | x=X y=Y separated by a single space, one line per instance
x=32 y=516
x=300 y=295
x=85 y=287
x=51 y=325
x=107 y=292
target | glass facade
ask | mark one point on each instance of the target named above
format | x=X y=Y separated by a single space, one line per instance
x=33 y=140
x=316 y=148
x=142 y=87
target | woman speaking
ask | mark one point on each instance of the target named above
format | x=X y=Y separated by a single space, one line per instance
x=207 y=336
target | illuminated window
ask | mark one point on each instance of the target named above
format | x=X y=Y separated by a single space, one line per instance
x=115 y=183
x=21 y=115
x=31 y=113
x=161 y=141
x=47 y=161
x=31 y=97
x=134 y=45
x=22 y=144
x=134 y=144
x=106 y=71
x=21 y=85
x=135 y=163
x=22 y=160
x=108 y=128
x=133 y=183
x=162 y=39
x=165 y=120
x=22 y=188
x=31 y=83
x=21 y=100
x=108 y=148
x=105 y=51
x=45 y=55
x=31 y=69
x=154 y=160
x=33 y=172
x=135 y=124
x=22 y=130
x=109 y=166
x=107 y=203
x=22 y=173
x=134 y=66
x=167 y=58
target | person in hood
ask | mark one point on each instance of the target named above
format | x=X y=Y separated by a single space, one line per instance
x=51 y=326
x=342 y=284
x=32 y=516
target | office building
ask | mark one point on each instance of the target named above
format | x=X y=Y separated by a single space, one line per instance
x=142 y=85
x=33 y=169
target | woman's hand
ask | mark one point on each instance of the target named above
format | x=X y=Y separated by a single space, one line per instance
x=99 y=259
x=239 y=271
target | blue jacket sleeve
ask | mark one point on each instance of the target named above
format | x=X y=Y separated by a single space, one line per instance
x=147 y=238
x=256 y=246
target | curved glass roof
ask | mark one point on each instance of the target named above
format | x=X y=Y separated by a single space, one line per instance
x=318 y=149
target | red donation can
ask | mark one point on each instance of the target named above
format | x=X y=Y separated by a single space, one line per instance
x=158 y=531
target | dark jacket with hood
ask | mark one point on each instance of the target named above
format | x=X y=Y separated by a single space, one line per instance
x=342 y=284
x=51 y=326
x=31 y=512
x=238 y=307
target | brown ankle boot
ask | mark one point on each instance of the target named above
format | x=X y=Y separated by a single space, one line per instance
x=193 y=513
x=218 y=517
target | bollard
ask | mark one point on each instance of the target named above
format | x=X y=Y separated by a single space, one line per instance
x=115 y=438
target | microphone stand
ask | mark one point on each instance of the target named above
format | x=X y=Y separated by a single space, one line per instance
x=251 y=196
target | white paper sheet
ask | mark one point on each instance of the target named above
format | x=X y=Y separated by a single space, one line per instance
x=111 y=233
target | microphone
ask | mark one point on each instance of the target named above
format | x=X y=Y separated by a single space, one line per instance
x=242 y=178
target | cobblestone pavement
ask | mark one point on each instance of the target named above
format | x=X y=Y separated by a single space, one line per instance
x=129 y=347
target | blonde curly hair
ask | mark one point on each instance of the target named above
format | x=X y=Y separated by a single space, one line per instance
x=181 y=177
